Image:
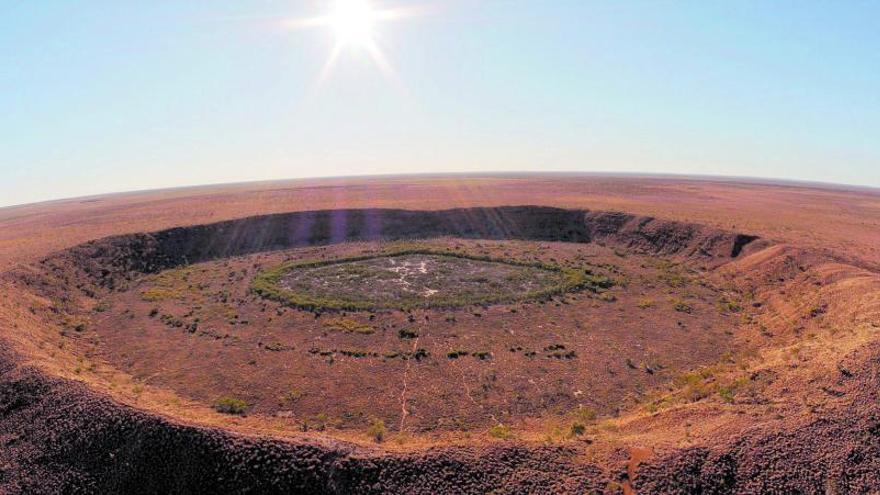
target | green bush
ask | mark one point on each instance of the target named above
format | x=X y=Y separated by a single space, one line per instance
x=377 y=430
x=500 y=431
x=230 y=405
x=349 y=326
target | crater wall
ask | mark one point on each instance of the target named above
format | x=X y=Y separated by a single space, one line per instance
x=108 y=260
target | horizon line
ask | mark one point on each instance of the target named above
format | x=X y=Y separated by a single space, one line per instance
x=773 y=181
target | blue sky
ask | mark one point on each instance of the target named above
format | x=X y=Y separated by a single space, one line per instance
x=104 y=96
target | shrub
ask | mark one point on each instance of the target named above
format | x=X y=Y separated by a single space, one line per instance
x=672 y=275
x=230 y=405
x=377 y=430
x=595 y=282
x=292 y=396
x=584 y=414
x=349 y=326
x=405 y=333
x=726 y=394
x=171 y=321
x=500 y=431
x=356 y=353
x=154 y=294
x=577 y=429
x=696 y=385
x=276 y=347
x=607 y=297
x=726 y=305
x=683 y=307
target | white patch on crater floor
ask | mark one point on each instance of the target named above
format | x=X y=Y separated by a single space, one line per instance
x=407 y=268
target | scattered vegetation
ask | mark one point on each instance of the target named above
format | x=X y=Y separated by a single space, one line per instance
x=479 y=336
x=419 y=354
x=558 y=351
x=169 y=284
x=672 y=274
x=704 y=383
x=481 y=355
x=155 y=294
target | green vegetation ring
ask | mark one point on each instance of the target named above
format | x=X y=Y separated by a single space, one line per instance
x=418 y=278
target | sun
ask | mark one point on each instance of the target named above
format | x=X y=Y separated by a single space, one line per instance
x=352 y=22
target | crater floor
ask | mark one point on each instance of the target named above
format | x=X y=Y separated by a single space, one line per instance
x=399 y=281
x=201 y=331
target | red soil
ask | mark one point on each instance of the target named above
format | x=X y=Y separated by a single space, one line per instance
x=88 y=405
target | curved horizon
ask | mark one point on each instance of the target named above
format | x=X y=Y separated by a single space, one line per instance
x=769 y=181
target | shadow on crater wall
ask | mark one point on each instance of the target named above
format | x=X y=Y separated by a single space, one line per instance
x=105 y=260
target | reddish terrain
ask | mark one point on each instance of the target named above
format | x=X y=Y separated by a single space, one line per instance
x=481 y=365
x=734 y=350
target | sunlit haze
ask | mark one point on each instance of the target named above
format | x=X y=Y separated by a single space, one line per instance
x=102 y=96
